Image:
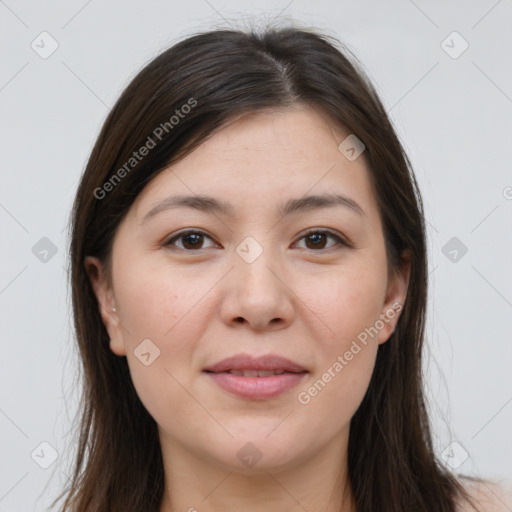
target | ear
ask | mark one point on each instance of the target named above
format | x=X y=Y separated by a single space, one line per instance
x=396 y=292
x=106 y=303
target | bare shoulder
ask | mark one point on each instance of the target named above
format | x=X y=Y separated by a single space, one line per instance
x=489 y=496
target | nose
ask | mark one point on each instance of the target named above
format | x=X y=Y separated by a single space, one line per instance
x=257 y=294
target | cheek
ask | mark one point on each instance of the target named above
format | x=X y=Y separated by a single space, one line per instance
x=157 y=303
x=173 y=309
x=345 y=357
x=346 y=301
x=169 y=310
x=329 y=400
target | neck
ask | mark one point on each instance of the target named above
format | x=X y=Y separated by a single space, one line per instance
x=195 y=484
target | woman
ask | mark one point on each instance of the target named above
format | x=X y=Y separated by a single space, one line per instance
x=249 y=292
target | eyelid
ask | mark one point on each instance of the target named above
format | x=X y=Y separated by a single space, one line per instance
x=176 y=236
x=342 y=240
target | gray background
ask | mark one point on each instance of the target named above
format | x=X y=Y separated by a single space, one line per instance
x=454 y=116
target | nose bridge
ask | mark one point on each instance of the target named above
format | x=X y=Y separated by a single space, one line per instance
x=254 y=262
x=257 y=293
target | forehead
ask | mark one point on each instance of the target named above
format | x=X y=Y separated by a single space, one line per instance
x=263 y=157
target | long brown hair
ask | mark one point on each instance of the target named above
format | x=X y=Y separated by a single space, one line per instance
x=221 y=75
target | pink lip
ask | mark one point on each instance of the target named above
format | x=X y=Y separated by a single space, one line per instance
x=256 y=388
x=248 y=362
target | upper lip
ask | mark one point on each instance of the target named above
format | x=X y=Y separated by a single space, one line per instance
x=248 y=362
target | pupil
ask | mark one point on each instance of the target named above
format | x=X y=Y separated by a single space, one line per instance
x=316 y=237
x=194 y=243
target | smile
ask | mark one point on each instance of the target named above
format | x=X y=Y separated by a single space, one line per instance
x=255 y=384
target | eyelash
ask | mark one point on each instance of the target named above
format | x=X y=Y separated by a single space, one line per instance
x=331 y=234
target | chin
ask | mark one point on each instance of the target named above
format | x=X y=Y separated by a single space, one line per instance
x=255 y=453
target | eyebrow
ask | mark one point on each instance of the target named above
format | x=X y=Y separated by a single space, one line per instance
x=211 y=205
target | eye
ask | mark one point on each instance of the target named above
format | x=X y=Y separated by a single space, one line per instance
x=193 y=240
x=315 y=239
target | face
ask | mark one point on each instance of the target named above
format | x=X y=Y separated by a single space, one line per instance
x=273 y=273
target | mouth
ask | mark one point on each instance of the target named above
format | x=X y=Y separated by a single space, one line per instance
x=248 y=363
x=256 y=378
x=254 y=373
x=256 y=387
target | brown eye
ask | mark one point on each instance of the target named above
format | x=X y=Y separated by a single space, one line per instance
x=191 y=240
x=316 y=240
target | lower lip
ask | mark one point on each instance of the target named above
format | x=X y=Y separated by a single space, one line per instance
x=257 y=388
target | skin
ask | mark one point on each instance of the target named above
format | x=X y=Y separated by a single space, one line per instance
x=304 y=303
x=491 y=496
